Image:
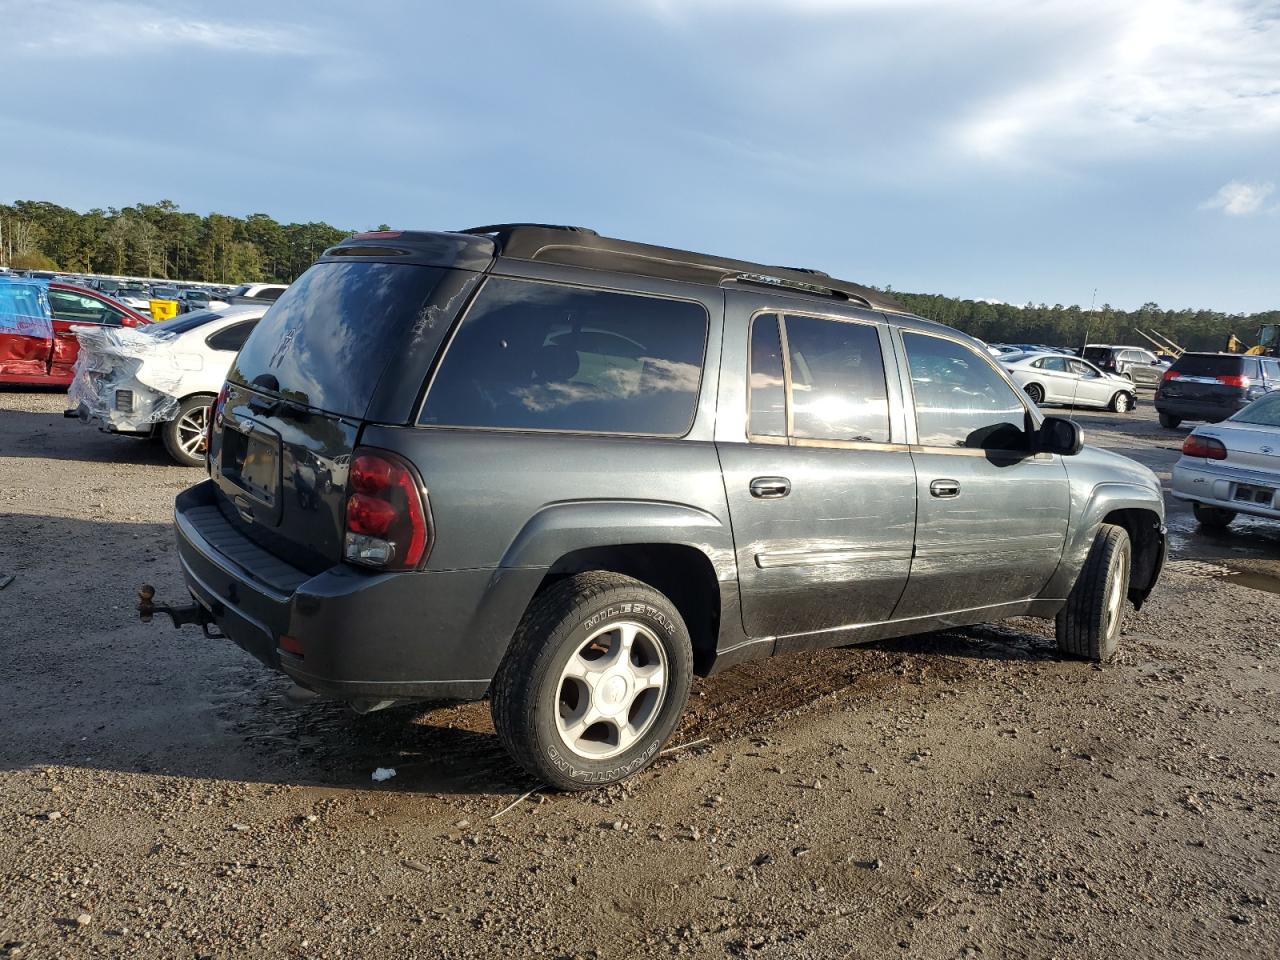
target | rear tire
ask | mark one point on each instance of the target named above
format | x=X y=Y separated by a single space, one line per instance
x=1170 y=421
x=1215 y=518
x=1088 y=626
x=1122 y=402
x=184 y=435
x=570 y=660
x=1036 y=393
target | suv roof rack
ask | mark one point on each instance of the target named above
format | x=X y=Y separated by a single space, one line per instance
x=582 y=247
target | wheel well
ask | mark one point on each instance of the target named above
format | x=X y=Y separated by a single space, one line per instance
x=683 y=574
x=1143 y=527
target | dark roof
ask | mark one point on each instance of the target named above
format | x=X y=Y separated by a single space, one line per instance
x=580 y=247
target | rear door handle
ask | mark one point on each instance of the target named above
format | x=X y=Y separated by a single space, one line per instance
x=770 y=488
x=945 y=489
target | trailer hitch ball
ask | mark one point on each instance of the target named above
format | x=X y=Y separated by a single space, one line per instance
x=146 y=604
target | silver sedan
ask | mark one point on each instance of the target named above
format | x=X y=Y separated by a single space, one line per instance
x=1052 y=378
x=1233 y=466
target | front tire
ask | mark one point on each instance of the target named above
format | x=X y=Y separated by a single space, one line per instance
x=1169 y=421
x=1036 y=393
x=1215 y=518
x=1088 y=626
x=1122 y=402
x=184 y=435
x=594 y=682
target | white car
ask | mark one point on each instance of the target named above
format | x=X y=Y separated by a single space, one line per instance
x=161 y=379
x=1054 y=378
x=1233 y=466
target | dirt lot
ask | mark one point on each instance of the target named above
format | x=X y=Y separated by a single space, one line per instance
x=948 y=795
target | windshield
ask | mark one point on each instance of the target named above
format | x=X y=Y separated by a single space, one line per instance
x=1265 y=412
x=328 y=338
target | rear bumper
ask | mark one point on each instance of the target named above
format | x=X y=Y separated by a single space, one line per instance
x=412 y=636
x=1198 y=409
x=1215 y=486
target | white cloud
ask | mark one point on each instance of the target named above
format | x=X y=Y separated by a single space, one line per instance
x=1239 y=198
x=57 y=27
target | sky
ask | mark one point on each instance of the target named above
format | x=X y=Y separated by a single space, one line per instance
x=1017 y=150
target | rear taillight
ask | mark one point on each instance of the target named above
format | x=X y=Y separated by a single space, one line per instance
x=1206 y=447
x=1169 y=375
x=1233 y=380
x=387 y=517
x=215 y=415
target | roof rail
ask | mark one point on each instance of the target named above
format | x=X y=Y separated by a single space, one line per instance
x=580 y=247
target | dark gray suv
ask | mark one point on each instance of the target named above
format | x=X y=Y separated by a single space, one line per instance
x=572 y=472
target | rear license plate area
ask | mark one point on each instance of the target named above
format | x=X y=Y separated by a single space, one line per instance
x=251 y=461
x=1248 y=493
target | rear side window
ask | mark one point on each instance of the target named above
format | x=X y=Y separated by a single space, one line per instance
x=328 y=338
x=768 y=382
x=837 y=381
x=1271 y=369
x=231 y=338
x=539 y=356
x=1214 y=365
x=960 y=399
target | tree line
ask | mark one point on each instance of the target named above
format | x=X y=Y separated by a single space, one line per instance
x=159 y=240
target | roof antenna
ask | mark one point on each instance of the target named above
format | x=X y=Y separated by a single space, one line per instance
x=1075 y=384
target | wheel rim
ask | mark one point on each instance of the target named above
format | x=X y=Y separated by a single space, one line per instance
x=1036 y=394
x=1115 y=596
x=611 y=690
x=1122 y=403
x=191 y=431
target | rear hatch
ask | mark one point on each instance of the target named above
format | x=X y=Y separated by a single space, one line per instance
x=1100 y=357
x=349 y=342
x=1210 y=378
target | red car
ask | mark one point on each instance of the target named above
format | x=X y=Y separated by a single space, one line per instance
x=41 y=349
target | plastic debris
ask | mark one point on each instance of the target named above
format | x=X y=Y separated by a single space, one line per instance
x=383 y=773
x=141 y=361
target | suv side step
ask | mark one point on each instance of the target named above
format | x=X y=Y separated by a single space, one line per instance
x=192 y=613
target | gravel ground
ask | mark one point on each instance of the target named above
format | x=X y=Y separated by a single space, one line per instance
x=960 y=794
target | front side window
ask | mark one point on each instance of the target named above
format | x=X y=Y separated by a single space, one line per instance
x=540 y=356
x=76 y=308
x=837 y=380
x=961 y=401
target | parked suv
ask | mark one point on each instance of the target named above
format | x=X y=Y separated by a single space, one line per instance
x=1213 y=386
x=1138 y=364
x=573 y=472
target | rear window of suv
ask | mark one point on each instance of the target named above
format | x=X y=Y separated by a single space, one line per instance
x=539 y=356
x=1215 y=365
x=328 y=338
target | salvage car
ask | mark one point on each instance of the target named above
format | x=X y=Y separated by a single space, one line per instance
x=1052 y=378
x=47 y=358
x=571 y=472
x=160 y=381
x=1213 y=386
x=1233 y=467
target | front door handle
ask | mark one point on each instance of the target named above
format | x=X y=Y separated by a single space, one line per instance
x=770 y=488
x=945 y=489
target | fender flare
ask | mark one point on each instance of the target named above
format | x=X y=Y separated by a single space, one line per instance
x=1104 y=498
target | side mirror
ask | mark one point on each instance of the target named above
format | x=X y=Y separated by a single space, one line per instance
x=1059 y=435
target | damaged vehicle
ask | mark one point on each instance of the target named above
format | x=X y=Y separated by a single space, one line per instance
x=160 y=380
x=571 y=473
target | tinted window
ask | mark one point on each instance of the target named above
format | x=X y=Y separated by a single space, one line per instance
x=183 y=322
x=538 y=356
x=1271 y=369
x=1096 y=354
x=1215 y=364
x=233 y=337
x=960 y=399
x=837 y=381
x=328 y=338
x=768 y=398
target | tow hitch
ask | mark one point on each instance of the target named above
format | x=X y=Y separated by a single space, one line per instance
x=192 y=613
